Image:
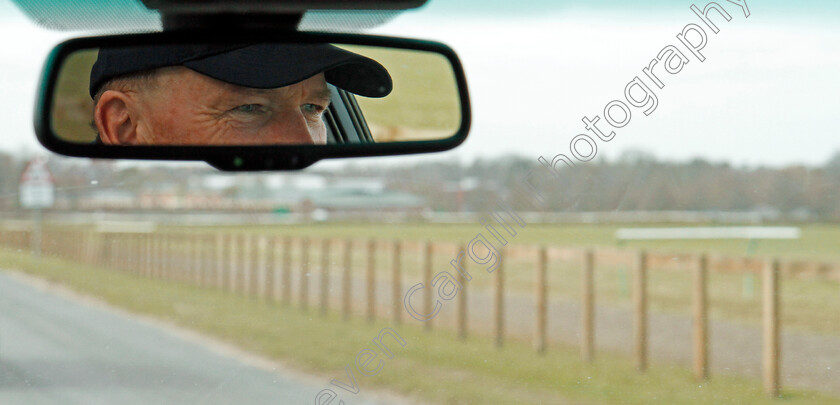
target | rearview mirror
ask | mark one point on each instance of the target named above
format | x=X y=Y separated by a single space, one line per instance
x=282 y=102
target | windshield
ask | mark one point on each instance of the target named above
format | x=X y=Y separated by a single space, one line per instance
x=645 y=211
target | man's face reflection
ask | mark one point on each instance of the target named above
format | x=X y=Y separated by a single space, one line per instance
x=184 y=107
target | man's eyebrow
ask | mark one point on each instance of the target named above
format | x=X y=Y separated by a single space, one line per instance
x=249 y=90
x=323 y=94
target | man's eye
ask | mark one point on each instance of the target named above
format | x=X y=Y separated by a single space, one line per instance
x=312 y=109
x=249 y=108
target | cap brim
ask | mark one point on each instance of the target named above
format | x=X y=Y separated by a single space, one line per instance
x=267 y=66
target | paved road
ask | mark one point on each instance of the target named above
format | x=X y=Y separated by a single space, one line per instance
x=57 y=350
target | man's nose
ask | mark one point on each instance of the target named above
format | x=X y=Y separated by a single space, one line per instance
x=292 y=128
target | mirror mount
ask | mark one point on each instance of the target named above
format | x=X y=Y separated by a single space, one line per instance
x=174 y=21
x=256 y=14
x=255 y=7
x=212 y=15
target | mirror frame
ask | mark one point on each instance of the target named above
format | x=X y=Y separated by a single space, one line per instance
x=241 y=158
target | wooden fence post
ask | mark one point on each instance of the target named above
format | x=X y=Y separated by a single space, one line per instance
x=139 y=253
x=462 y=300
x=136 y=254
x=174 y=268
x=112 y=247
x=286 y=272
x=149 y=269
x=170 y=254
x=701 y=320
x=171 y=262
x=121 y=255
x=233 y=262
x=250 y=265
x=127 y=252
x=157 y=243
x=198 y=261
x=203 y=260
x=148 y=266
x=81 y=252
x=123 y=258
x=271 y=269
x=346 y=281
x=254 y=270
x=236 y=270
x=98 y=248
x=141 y=249
x=80 y=239
x=499 y=310
x=186 y=251
x=771 y=350
x=160 y=243
x=208 y=275
x=371 y=280
x=640 y=310
x=234 y=252
x=186 y=258
x=183 y=258
x=261 y=266
x=540 y=325
x=143 y=252
x=167 y=257
x=244 y=258
x=132 y=257
x=325 y=276
x=208 y=263
x=587 y=327
x=396 y=279
x=428 y=305
x=221 y=260
x=304 y=274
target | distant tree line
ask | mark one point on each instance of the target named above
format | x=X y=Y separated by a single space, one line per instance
x=633 y=182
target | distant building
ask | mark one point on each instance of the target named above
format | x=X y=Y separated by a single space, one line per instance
x=160 y=195
x=358 y=202
x=320 y=198
x=107 y=199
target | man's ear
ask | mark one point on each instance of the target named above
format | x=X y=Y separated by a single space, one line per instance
x=115 y=118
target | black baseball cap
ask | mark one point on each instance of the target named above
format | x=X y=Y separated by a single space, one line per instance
x=263 y=66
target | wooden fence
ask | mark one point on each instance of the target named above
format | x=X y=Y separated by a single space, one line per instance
x=264 y=266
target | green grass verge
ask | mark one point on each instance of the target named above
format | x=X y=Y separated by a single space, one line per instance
x=433 y=366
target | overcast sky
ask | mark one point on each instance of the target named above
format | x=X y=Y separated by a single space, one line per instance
x=766 y=94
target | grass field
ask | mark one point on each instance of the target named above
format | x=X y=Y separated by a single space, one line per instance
x=433 y=366
x=818 y=242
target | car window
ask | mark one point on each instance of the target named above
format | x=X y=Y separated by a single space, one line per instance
x=645 y=211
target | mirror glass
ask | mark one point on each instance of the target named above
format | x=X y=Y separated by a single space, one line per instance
x=254 y=94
